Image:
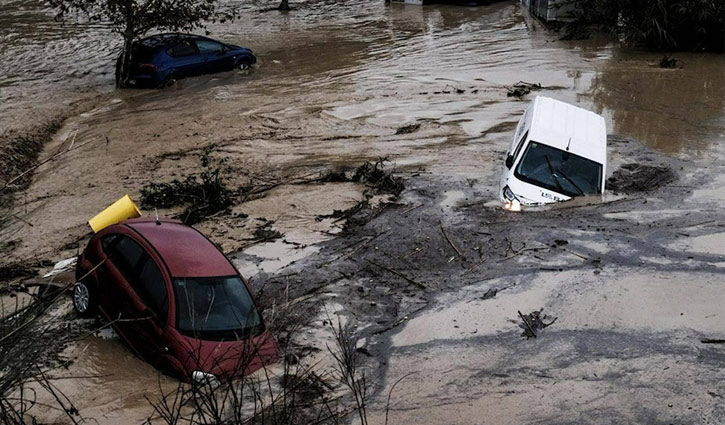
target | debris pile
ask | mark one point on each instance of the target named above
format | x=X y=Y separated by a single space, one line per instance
x=635 y=177
x=533 y=322
x=202 y=195
x=407 y=129
x=522 y=88
x=668 y=62
x=377 y=176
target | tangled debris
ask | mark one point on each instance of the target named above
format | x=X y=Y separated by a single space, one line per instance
x=377 y=176
x=266 y=232
x=630 y=178
x=202 y=195
x=522 y=88
x=534 y=322
x=668 y=62
x=407 y=129
x=491 y=293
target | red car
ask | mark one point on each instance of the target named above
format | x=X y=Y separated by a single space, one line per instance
x=174 y=297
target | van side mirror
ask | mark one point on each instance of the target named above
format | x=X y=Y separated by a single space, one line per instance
x=509 y=161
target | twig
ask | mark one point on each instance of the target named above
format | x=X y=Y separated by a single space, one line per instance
x=387 y=405
x=526 y=322
x=475 y=267
x=412 y=208
x=401 y=275
x=22 y=219
x=450 y=242
x=575 y=254
x=712 y=341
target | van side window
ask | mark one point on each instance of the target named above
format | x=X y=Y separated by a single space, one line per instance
x=126 y=254
x=522 y=124
x=151 y=288
x=521 y=143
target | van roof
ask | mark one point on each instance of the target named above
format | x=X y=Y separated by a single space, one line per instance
x=555 y=123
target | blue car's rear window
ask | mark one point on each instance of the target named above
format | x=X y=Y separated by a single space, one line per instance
x=141 y=54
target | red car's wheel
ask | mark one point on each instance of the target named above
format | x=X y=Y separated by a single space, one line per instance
x=83 y=300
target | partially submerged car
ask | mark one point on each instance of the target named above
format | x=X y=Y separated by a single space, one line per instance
x=559 y=151
x=161 y=59
x=174 y=298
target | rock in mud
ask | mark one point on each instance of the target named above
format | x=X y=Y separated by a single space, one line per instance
x=668 y=62
x=631 y=178
x=407 y=129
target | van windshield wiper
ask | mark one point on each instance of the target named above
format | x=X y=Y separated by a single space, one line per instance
x=553 y=173
x=560 y=173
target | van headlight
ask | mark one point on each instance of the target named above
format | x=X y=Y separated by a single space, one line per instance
x=209 y=379
x=512 y=202
x=508 y=194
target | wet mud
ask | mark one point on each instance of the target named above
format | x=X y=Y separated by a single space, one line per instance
x=632 y=278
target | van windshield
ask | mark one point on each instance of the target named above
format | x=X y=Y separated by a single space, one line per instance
x=215 y=308
x=560 y=171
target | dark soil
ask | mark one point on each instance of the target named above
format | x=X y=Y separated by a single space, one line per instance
x=634 y=177
x=12 y=271
x=18 y=152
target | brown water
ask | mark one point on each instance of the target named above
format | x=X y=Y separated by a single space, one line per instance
x=335 y=80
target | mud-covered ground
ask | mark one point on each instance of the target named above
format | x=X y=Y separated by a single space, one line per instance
x=435 y=277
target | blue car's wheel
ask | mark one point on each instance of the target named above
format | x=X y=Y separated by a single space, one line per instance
x=244 y=64
x=168 y=82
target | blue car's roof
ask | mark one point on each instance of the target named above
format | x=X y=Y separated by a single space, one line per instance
x=161 y=40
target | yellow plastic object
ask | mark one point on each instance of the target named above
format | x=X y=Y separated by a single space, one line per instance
x=120 y=210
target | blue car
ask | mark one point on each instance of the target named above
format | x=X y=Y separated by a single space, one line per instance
x=161 y=59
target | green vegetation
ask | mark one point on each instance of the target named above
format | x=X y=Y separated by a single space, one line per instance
x=133 y=19
x=664 y=25
x=203 y=195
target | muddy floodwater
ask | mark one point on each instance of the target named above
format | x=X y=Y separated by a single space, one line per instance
x=334 y=83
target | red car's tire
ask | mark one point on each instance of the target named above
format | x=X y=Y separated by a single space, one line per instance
x=84 y=299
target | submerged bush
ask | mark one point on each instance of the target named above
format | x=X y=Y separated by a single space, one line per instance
x=202 y=195
x=659 y=24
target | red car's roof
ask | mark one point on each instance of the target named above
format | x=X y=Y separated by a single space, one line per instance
x=186 y=252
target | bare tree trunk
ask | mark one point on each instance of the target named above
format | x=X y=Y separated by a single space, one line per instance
x=124 y=69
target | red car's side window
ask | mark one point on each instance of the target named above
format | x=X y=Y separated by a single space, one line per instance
x=152 y=288
x=126 y=255
x=140 y=271
x=108 y=242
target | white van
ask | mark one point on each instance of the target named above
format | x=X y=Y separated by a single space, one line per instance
x=558 y=151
